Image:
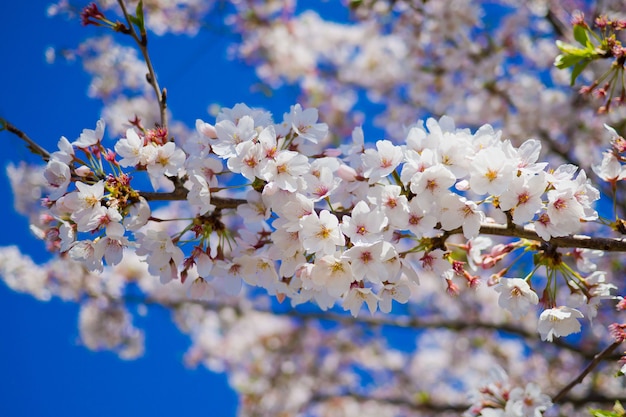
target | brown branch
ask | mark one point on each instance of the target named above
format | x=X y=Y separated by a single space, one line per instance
x=142 y=43
x=180 y=194
x=446 y=408
x=594 y=362
x=32 y=145
x=403 y=322
x=572 y=241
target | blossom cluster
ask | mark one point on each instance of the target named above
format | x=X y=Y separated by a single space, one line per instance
x=356 y=225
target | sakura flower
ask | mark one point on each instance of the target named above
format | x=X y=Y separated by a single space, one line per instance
x=65 y=153
x=58 y=175
x=434 y=261
x=610 y=169
x=240 y=110
x=199 y=196
x=199 y=143
x=369 y=261
x=321 y=181
x=162 y=255
x=247 y=161
x=286 y=170
x=491 y=172
x=381 y=162
x=394 y=205
x=546 y=229
x=227 y=276
x=527 y=155
x=206 y=166
x=131 y=149
x=529 y=401
x=99 y=216
x=85 y=251
x=112 y=245
x=434 y=181
x=558 y=322
x=168 y=160
x=564 y=210
x=332 y=273
x=516 y=296
x=229 y=135
x=255 y=209
x=393 y=291
x=356 y=297
x=419 y=222
x=414 y=163
x=304 y=123
x=599 y=290
x=457 y=211
x=321 y=234
x=364 y=225
x=260 y=271
x=286 y=242
x=86 y=199
x=90 y=137
x=524 y=197
x=200 y=289
x=585 y=259
x=138 y=215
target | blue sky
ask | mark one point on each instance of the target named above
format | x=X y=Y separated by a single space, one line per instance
x=44 y=370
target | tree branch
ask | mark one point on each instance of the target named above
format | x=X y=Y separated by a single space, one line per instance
x=594 y=362
x=142 y=43
x=32 y=145
x=403 y=322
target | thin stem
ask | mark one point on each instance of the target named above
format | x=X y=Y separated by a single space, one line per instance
x=32 y=145
x=142 y=42
x=594 y=362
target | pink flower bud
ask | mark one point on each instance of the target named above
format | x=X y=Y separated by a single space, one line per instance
x=82 y=171
x=346 y=173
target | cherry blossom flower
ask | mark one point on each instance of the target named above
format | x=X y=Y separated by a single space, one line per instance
x=355 y=298
x=516 y=296
x=199 y=196
x=65 y=153
x=304 y=123
x=529 y=401
x=286 y=170
x=398 y=291
x=369 y=261
x=558 y=322
x=524 y=197
x=321 y=234
x=90 y=137
x=229 y=135
x=332 y=273
x=381 y=162
x=167 y=160
x=364 y=225
x=457 y=211
x=58 y=175
x=434 y=180
x=491 y=172
x=131 y=149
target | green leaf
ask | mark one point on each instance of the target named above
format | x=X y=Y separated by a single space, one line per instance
x=569 y=49
x=578 y=68
x=140 y=20
x=565 y=61
x=581 y=35
x=603 y=413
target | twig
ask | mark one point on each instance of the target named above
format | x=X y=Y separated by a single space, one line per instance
x=32 y=145
x=142 y=42
x=401 y=322
x=594 y=362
